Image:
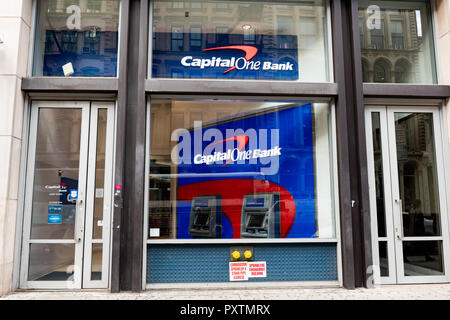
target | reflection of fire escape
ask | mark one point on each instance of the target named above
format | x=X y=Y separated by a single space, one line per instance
x=269 y=40
x=415 y=45
x=422 y=143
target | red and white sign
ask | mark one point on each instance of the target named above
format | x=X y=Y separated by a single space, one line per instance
x=238 y=271
x=257 y=269
x=242 y=271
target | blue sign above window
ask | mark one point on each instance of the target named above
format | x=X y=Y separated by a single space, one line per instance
x=266 y=57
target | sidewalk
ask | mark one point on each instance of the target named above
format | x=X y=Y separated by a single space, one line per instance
x=391 y=292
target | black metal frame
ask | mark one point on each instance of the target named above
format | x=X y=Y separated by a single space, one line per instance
x=131 y=88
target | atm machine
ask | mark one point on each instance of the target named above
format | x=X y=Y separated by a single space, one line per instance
x=205 y=219
x=261 y=216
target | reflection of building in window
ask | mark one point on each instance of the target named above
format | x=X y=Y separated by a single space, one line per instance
x=249 y=35
x=177 y=36
x=381 y=71
x=50 y=46
x=402 y=71
x=365 y=70
x=52 y=6
x=68 y=3
x=196 y=5
x=69 y=40
x=221 y=34
x=177 y=74
x=377 y=37
x=94 y=6
x=221 y=5
x=417 y=171
x=195 y=38
x=308 y=32
x=178 y=5
x=397 y=35
x=361 y=34
x=401 y=43
x=153 y=37
x=91 y=41
x=92 y=46
x=285 y=26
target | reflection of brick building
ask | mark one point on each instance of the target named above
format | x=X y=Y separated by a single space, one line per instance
x=395 y=49
x=92 y=48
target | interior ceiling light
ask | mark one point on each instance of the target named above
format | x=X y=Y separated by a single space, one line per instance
x=247 y=27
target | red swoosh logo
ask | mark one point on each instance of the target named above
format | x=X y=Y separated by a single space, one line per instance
x=242 y=142
x=249 y=51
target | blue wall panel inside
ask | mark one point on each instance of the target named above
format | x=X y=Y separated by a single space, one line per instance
x=209 y=263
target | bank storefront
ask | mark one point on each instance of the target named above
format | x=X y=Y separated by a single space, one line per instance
x=233 y=143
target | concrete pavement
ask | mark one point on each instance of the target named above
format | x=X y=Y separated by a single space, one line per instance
x=386 y=292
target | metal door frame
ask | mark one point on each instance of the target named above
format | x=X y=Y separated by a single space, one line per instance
x=387 y=194
x=107 y=196
x=394 y=227
x=80 y=213
x=82 y=240
x=397 y=203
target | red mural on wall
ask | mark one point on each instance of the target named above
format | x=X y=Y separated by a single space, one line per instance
x=232 y=192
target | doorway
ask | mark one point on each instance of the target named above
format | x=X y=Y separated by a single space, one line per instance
x=68 y=196
x=408 y=198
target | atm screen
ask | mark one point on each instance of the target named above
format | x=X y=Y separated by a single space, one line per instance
x=202 y=219
x=256 y=221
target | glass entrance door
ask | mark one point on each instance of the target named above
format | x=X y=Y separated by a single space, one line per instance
x=408 y=194
x=68 y=196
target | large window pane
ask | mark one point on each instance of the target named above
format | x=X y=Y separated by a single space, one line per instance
x=397 y=41
x=240 y=169
x=76 y=38
x=56 y=173
x=287 y=40
x=51 y=262
x=417 y=174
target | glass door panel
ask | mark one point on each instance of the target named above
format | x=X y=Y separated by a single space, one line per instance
x=407 y=194
x=417 y=180
x=417 y=174
x=68 y=196
x=99 y=190
x=54 y=208
x=380 y=194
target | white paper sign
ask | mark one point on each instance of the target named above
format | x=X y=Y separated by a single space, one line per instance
x=99 y=193
x=238 y=271
x=257 y=269
x=154 y=232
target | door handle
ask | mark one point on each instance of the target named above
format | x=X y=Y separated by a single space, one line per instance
x=400 y=234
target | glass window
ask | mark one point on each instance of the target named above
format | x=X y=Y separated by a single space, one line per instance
x=177 y=38
x=397 y=41
x=76 y=38
x=244 y=40
x=196 y=37
x=178 y=5
x=221 y=5
x=397 y=35
x=222 y=169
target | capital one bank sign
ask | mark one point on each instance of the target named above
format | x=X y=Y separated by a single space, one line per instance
x=241 y=63
x=268 y=58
